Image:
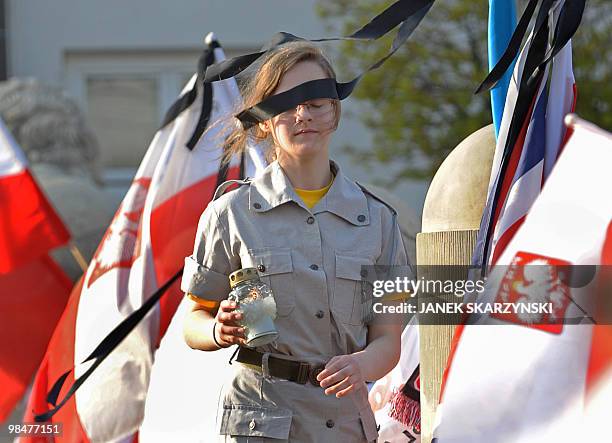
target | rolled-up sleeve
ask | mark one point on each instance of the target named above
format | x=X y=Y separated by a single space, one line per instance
x=205 y=277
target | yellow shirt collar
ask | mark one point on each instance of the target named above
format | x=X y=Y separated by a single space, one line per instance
x=312 y=196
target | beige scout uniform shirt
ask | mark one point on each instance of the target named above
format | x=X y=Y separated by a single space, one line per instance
x=312 y=259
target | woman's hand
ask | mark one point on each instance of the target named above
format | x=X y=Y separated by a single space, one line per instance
x=227 y=331
x=342 y=374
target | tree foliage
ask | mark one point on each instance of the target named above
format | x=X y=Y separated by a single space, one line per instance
x=593 y=63
x=420 y=104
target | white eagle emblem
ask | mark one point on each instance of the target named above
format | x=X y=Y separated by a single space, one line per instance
x=120 y=245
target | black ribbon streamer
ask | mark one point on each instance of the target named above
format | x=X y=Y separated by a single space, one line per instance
x=526 y=92
x=188 y=98
x=273 y=105
x=406 y=13
x=106 y=346
x=373 y=30
x=567 y=24
x=533 y=72
x=116 y=336
x=511 y=51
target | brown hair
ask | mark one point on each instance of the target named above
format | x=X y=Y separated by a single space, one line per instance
x=263 y=83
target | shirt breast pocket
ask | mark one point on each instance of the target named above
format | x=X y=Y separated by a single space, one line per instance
x=275 y=267
x=352 y=293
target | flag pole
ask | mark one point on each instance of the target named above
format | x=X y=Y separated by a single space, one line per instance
x=78 y=256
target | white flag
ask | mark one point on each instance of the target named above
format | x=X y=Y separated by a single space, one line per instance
x=143 y=248
x=529 y=378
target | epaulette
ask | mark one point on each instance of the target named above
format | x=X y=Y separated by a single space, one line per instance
x=393 y=222
x=376 y=197
x=226 y=184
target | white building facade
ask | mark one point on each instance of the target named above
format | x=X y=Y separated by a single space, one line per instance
x=125 y=62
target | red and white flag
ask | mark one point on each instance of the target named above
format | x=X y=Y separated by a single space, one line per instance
x=33 y=288
x=145 y=245
x=528 y=378
x=29 y=226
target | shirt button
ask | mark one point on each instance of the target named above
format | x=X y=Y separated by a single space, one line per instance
x=320 y=314
x=329 y=423
x=361 y=218
x=310 y=220
x=261 y=268
x=252 y=424
x=314 y=267
x=256 y=205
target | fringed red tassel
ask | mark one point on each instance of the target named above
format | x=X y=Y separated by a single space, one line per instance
x=405 y=410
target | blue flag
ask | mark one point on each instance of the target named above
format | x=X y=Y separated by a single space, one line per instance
x=502 y=21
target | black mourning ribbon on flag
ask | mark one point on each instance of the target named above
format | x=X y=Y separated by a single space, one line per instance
x=511 y=51
x=533 y=72
x=406 y=13
x=567 y=24
x=188 y=98
x=106 y=346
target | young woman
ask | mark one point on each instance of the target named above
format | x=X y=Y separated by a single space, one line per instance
x=309 y=230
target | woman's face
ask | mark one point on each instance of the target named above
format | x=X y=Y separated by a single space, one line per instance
x=303 y=132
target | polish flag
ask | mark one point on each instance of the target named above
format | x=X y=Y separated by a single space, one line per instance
x=144 y=246
x=33 y=288
x=29 y=226
x=526 y=379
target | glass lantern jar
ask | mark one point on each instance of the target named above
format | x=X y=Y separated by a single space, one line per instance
x=254 y=300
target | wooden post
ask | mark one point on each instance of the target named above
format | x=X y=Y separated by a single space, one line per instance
x=451 y=218
x=78 y=256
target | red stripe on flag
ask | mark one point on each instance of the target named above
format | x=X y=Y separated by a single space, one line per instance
x=32 y=299
x=29 y=226
x=37 y=396
x=173 y=228
x=515 y=157
x=505 y=238
x=58 y=359
x=600 y=359
x=508 y=178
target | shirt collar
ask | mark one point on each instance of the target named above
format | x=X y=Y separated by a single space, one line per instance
x=344 y=198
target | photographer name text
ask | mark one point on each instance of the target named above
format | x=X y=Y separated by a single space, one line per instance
x=464 y=308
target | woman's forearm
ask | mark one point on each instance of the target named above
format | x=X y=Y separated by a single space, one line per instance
x=198 y=329
x=381 y=354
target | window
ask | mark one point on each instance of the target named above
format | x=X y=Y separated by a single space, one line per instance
x=123 y=113
x=125 y=95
